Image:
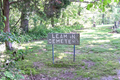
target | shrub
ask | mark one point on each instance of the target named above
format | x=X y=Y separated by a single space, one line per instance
x=8 y=37
x=40 y=32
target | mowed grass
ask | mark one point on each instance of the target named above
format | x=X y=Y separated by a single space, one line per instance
x=97 y=56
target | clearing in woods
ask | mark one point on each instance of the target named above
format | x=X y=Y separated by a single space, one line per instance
x=97 y=58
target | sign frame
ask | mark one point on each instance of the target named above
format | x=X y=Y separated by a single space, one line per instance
x=63 y=38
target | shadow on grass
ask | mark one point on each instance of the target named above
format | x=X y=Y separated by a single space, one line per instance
x=97 y=49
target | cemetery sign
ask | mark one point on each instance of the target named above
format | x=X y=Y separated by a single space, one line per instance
x=64 y=38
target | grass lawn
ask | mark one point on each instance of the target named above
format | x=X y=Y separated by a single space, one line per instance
x=97 y=58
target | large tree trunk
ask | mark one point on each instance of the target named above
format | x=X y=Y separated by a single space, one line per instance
x=25 y=17
x=24 y=21
x=7 y=28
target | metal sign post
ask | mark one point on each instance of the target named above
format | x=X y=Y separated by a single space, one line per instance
x=74 y=54
x=53 y=52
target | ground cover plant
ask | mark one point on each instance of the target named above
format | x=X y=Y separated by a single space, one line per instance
x=97 y=58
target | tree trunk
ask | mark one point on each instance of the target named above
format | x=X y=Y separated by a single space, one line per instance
x=79 y=9
x=41 y=22
x=24 y=22
x=94 y=23
x=7 y=28
x=103 y=15
x=52 y=22
x=25 y=17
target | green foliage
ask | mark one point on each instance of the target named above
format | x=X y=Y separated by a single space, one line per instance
x=10 y=76
x=40 y=32
x=77 y=26
x=53 y=8
x=9 y=67
x=25 y=38
x=64 y=4
x=116 y=1
x=81 y=0
x=8 y=37
x=89 y=6
x=2 y=18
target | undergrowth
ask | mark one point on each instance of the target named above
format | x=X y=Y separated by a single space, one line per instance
x=40 y=32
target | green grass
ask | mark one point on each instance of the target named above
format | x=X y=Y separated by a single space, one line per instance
x=97 y=56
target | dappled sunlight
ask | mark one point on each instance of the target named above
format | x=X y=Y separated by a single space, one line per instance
x=3 y=57
x=27 y=44
x=116 y=36
x=41 y=45
x=27 y=60
x=87 y=25
x=30 y=47
x=88 y=31
x=40 y=42
x=2 y=48
x=111 y=49
x=107 y=25
x=61 y=55
x=86 y=35
x=100 y=41
x=97 y=37
x=92 y=45
x=20 y=47
x=35 y=43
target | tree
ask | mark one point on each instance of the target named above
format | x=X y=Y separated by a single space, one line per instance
x=52 y=5
x=25 y=16
x=6 y=6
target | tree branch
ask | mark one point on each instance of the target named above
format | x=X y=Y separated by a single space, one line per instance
x=16 y=23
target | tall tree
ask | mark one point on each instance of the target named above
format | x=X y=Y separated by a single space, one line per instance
x=25 y=16
x=6 y=6
x=56 y=5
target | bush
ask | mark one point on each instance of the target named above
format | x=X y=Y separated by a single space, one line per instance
x=77 y=26
x=8 y=37
x=40 y=32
